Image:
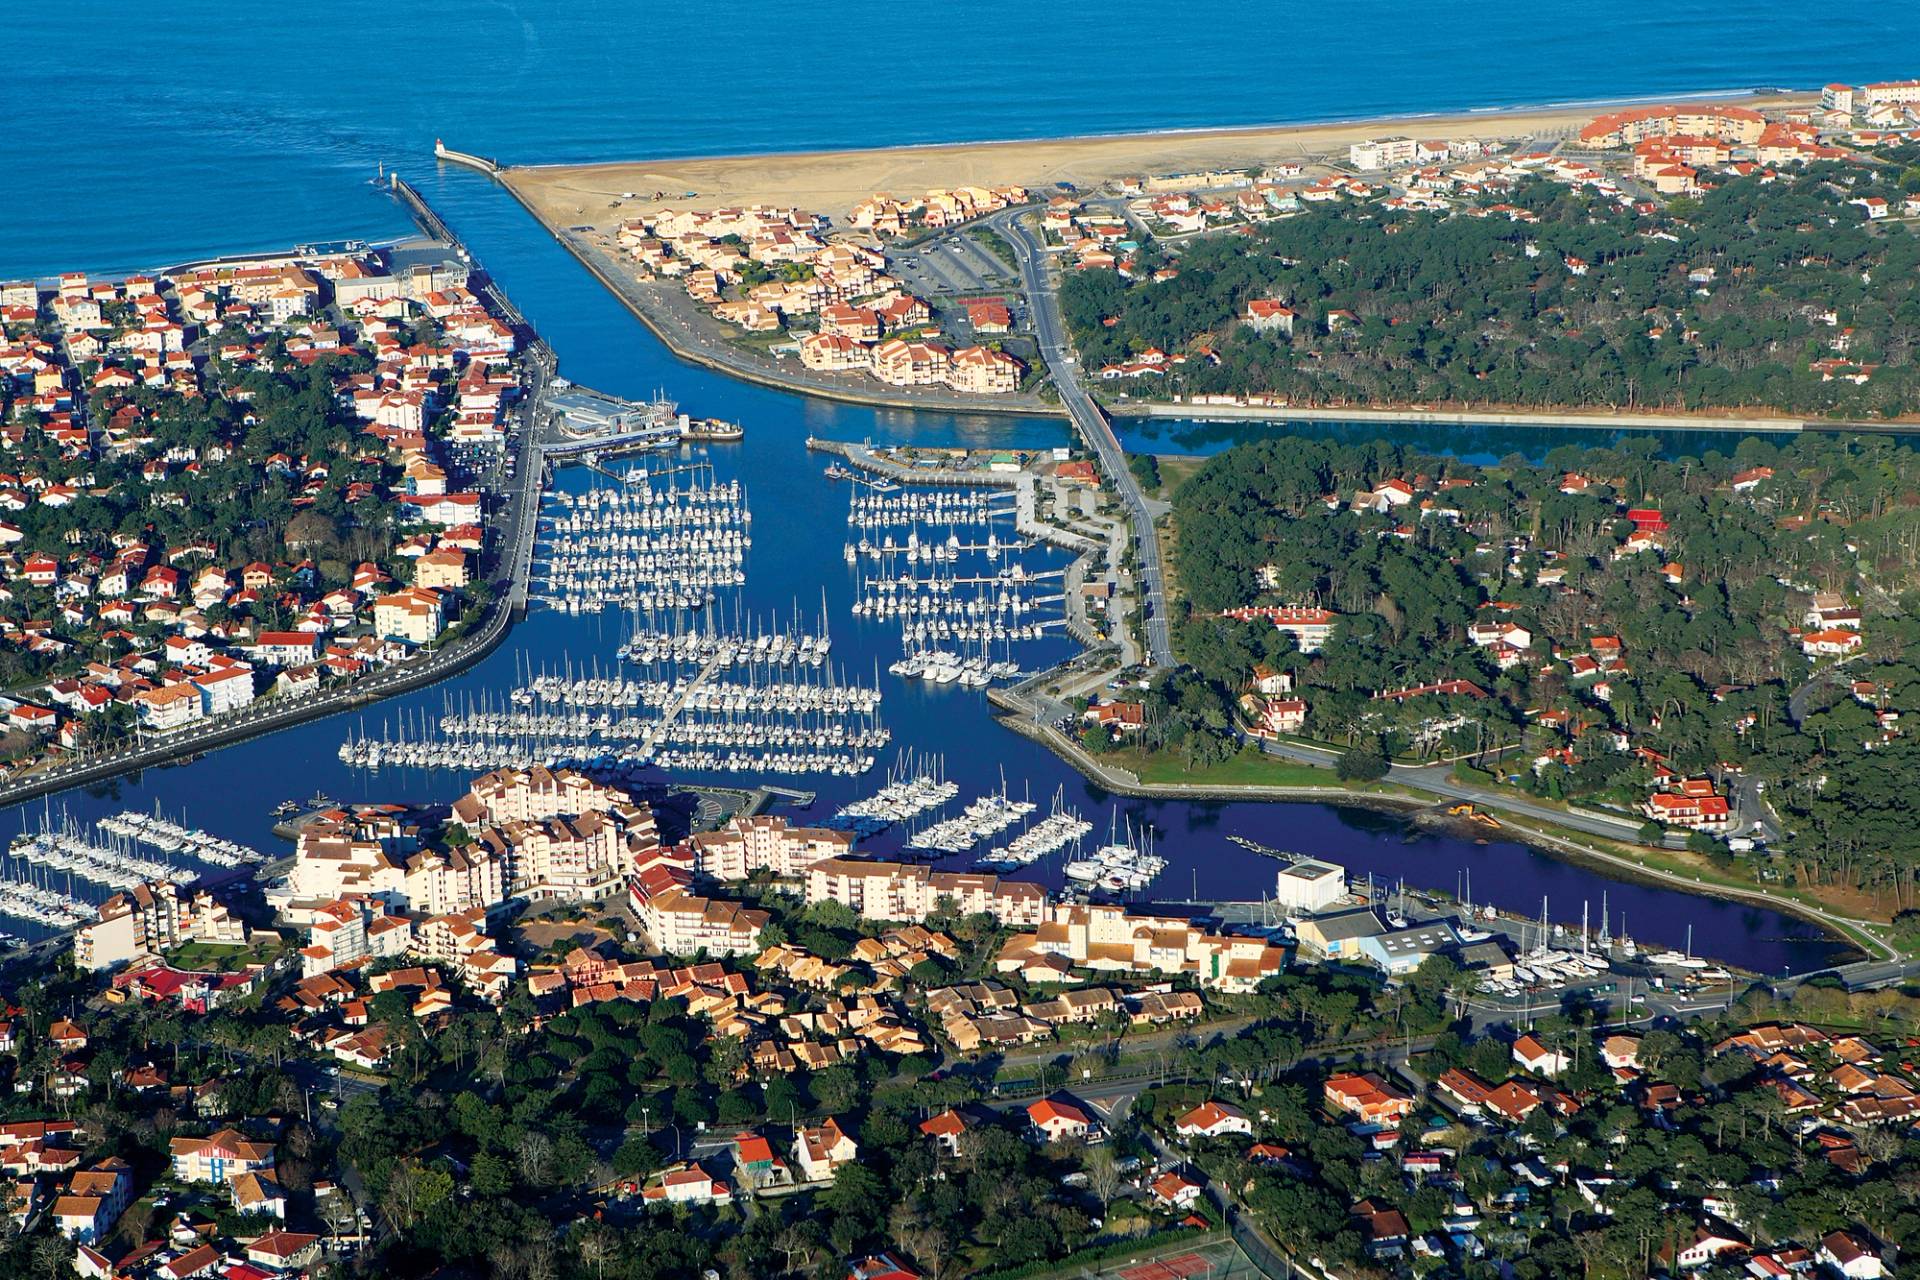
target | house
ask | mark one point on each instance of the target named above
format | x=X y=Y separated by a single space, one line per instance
x=1385 y=1229
x=1175 y=1190
x=284 y=1250
x=1850 y=1255
x=1621 y=1052
x=1367 y=1097
x=759 y=1166
x=1263 y=315
x=945 y=1130
x=1710 y=1241
x=1212 y=1120
x=258 y=1193
x=1831 y=642
x=1534 y=1056
x=686 y=1184
x=1699 y=813
x=1059 y=1120
x=821 y=1150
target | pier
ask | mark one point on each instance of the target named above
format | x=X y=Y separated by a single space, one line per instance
x=1027 y=523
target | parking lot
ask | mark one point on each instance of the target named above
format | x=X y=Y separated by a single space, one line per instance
x=954 y=263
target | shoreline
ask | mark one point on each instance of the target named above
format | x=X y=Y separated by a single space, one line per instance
x=831 y=180
x=1838 y=929
x=1564 y=846
x=1778 y=95
x=1565 y=416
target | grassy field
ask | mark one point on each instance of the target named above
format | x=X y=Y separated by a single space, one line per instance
x=1174 y=472
x=1248 y=769
x=218 y=957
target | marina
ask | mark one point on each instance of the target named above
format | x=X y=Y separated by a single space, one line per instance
x=644 y=542
x=797 y=549
x=961 y=592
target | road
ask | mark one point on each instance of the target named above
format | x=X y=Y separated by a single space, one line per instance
x=1091 y=421
x=1437 y=779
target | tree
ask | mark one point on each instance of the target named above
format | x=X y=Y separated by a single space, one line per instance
x=837 y=1089
x=1364 y=763
x=413 y=1191
x=1103 y=1175
x=636 y=1157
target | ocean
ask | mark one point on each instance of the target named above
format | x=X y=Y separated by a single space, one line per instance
x=185 y=139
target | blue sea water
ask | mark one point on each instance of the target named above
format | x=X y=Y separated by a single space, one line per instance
x=158 y=135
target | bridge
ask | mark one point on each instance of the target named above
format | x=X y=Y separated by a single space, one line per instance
x=1094 y=427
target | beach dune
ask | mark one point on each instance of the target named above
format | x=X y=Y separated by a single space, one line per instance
x=831 y=182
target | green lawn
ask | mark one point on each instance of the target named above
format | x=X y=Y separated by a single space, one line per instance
x=1174 y=471
x=1248 y=769
x=223 y=957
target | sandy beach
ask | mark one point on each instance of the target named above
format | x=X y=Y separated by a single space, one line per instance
x=831 y=182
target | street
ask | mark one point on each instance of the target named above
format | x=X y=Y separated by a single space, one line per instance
x=1091 y=421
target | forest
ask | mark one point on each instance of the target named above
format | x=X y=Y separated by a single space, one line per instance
x=1726 y=301
x=1710 y=676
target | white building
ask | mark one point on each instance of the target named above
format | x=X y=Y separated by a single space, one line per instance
x=225 y=690
x=1308 y=886
x=1382 y=153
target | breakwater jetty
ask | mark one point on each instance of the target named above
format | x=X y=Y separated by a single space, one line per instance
x=441 y=151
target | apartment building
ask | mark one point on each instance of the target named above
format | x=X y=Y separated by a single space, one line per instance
x=416 y=616
x=895 y=891
x=147 y=919
x=219 y=1157
x=984 y=371
x=746 y=846
x=680 y=923
x=459 y=940
x=525 y=794
x=1738 y=125
x=560 y=857
x=1103 y=938
x=1310 y=628
x=1382 y=153
x=352 y=930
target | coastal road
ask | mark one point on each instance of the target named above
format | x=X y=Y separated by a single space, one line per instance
x=1437 y=779
x=1091 y=421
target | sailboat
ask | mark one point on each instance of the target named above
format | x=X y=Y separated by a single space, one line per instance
x=1589 y=959
x=1468 y=931
x=1679 y=960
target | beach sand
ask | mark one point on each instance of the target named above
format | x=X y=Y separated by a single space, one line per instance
x=831 y=182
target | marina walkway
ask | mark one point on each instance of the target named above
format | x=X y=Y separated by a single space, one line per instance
x=671 y=712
